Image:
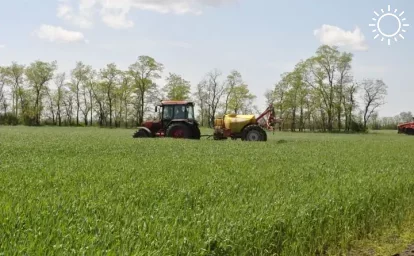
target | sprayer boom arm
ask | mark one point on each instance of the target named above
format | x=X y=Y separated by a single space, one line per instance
x=270 y=110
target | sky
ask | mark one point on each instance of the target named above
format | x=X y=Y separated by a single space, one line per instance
x=260 y=38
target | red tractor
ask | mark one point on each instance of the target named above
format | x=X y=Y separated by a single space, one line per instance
x=406 y=128
x=176 y=120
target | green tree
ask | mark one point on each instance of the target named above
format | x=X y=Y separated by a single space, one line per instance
x=233 y=79
x=59 y=95
x=125 y=92
x=110 y=76
x=3 y=81
x=79 y=76
x=344 y=78
x=323 y=67
x=38 y=74
x=143 y=72
x=90 y=84
x=177 y=88
x=240 y=98
x=15 y=75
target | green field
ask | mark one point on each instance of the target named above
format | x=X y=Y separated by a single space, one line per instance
x=98 y=191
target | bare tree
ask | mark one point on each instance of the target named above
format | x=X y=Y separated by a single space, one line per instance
x=60 y=83
x=2 y=88
x=79 y=75
x=349 y=103
x=52 y=109
x=200 y=96
x=215 y=91
x=373 y=97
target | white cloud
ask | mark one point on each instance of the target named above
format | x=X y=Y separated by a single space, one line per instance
x=85 y=16
x=114 y=13
x=332 y=35
x=58 y=34
x=115 y=18
x=2 y=46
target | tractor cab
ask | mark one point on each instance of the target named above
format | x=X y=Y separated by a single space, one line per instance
x=175 y=119
x=173 y=110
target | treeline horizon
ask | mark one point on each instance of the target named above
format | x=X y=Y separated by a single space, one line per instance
x=320 y=94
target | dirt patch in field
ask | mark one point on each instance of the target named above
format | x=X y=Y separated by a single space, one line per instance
x=408 y=252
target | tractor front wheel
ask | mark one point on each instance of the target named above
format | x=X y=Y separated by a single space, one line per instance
x=179 y=131
x=254 y=133
x=141 y=133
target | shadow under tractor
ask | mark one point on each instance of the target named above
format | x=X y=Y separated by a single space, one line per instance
x=176 y=120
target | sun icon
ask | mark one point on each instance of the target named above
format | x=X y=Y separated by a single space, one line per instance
x=394 y=14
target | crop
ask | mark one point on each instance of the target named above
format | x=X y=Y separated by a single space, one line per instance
x=98 y=191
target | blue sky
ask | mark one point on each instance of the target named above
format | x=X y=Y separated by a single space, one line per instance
x=260 y=38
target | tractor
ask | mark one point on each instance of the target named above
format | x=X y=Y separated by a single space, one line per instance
x=406 y=128
x=244 y=127
x=176 y=120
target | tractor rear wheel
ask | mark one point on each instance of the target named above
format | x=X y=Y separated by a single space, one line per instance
x=264 y=135
x=196 y=133
x=141 y=133
x=179 y=130
x=409 y=131
x=254 y=133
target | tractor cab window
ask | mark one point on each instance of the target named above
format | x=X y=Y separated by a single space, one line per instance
x=190 y=112
x=179 y=112
x=168 y=112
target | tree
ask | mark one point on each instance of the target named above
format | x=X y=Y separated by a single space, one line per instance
x=79 y=76
x=233 y=79
x=349 y=104
x=296 y=95
x=215 y=90
x=240 y=98
x=279 y=94
x=177 y=88
x=406 y=117
x=344 y=67
x=323 y=67
x=270 y=97
x=51 y=102
x=59 y=96
x=200 y=96
x=125 y=92
x=3 y=81
x=110 y=76
x=38 y=74
x=143 y=72
x=99 y=92
x=90 y=84
x=16 y=76
x=373 y=97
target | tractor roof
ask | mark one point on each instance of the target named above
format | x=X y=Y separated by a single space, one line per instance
x=175 y=102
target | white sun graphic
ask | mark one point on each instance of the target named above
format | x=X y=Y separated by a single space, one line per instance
x=401 y=25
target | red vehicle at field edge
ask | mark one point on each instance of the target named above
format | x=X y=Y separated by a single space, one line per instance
x=406 y=128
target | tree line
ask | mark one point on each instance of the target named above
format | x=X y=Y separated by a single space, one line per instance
x=110 y=97
x=319 y=94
